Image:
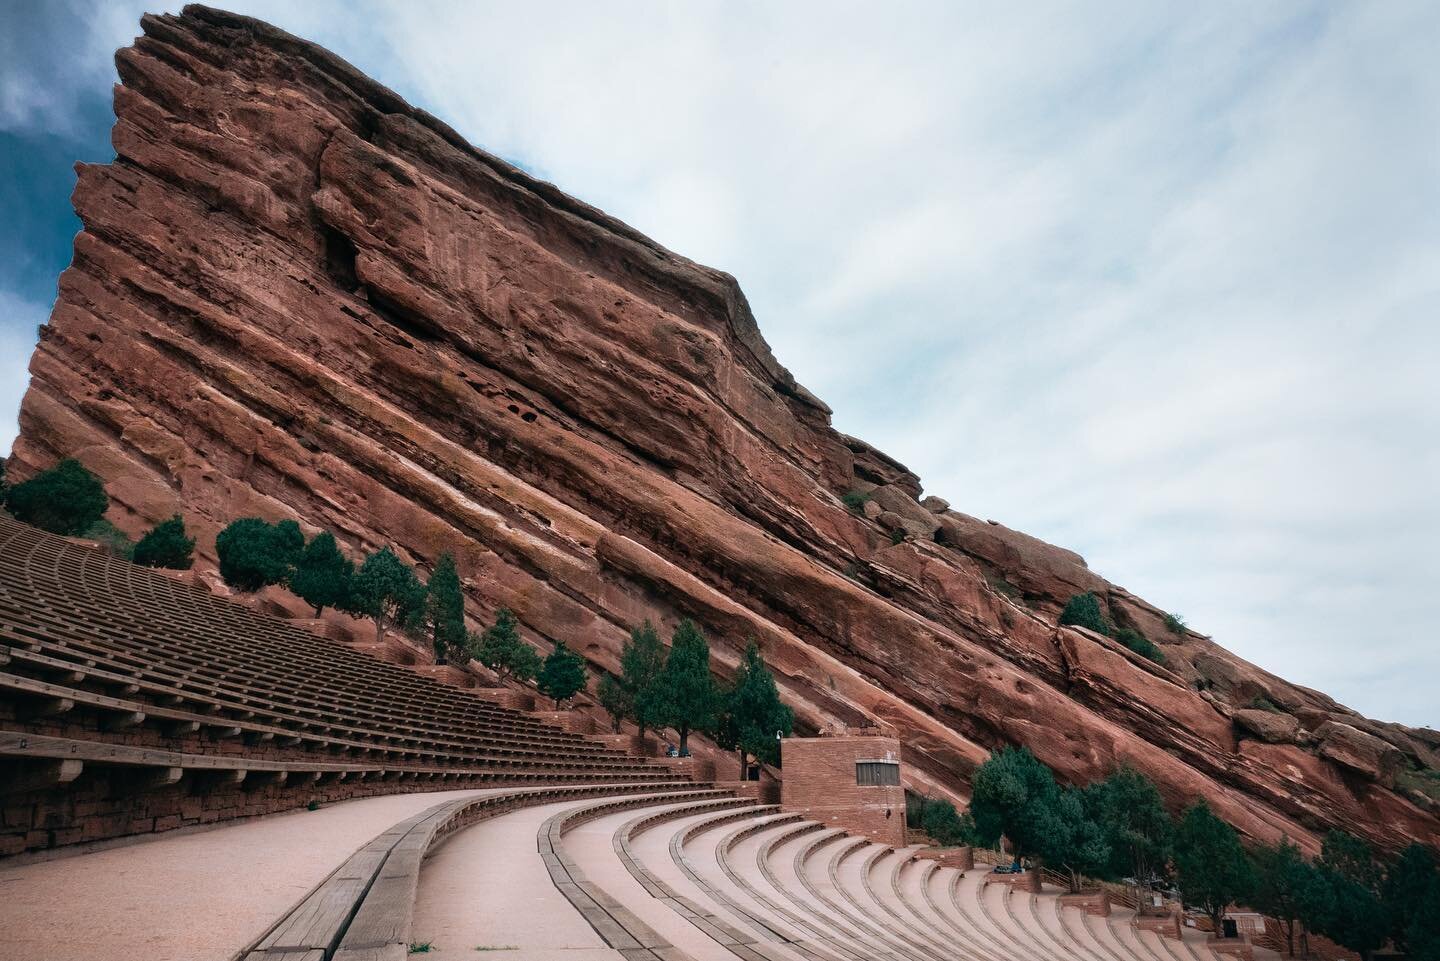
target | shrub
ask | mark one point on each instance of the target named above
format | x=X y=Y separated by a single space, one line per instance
x=946 y=826
x=1083 y=610
x=1140 y=644
x=562 y=675
x=1175 y=624
x=165 y=545
x=322 y=575
x=254 y=554
x=897 y=536
x=66 y=499
x=1262 y=703
x=855 y=500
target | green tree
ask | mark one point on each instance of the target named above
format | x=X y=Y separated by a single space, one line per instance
x=562 y=675
x=616 y=701
x=165 y=545
x=502 y=649
x=254 y=554
x=1211 y=866
x=1408 y=883
x=386 y=590
x=445 y=610
x=642 y=661
x=66 y=499
x=642 y=658
x=323 y=575
x=1422 y=936
x=1084 y=849
x=1016 y=796
x=686 y=697
x=1359 y=920
x=946 y=826
x=1083 y=610
x=1351 y=858
x=753 y=713
x=1281 y=878
x=1137 y=826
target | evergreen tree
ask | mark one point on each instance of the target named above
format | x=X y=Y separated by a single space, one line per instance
x=165 y=545
x=615 y=700
x=1408 y=882
x=1351 y=858
x=753 y=713
x=1137 y=826
x=502 y=650
x=642 y=661
x=1281 y=877
x=1083 y=610
x=1016 y=796
x=254 y=554
x=1359 y=919
x=66 y=499
x=386 y=590
x=686 y=696
x=322 y=576
x=562 y=675
x=1086 y=848
x=1210 y=863
x=445 y=610
x=1422 y=936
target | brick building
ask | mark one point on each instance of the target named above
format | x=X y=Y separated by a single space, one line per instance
x=850 y=781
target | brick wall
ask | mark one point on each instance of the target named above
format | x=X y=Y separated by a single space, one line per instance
x=819 y=782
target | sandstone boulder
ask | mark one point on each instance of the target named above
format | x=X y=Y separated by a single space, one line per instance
x=1268 y=726
x=1360 y=752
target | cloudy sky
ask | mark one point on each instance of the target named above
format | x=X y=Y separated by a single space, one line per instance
x=1156 y=282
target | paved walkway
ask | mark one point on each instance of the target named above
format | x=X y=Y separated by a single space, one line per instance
x=485 y=889
x=193 y=897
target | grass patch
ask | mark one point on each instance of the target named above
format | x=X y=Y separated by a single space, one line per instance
x=1262 y=703
x=496 y=947
x=855 y=500
x=111 y=538
x=421 y=947
x=1427 y=782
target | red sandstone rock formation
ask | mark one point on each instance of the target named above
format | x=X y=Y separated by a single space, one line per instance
x=297 y=296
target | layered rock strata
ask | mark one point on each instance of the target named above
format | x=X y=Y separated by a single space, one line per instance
x=297 y=296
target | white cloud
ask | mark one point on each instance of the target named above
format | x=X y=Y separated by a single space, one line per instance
x=1158 y=284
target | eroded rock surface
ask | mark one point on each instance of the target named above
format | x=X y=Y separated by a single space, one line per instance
x=297 y=296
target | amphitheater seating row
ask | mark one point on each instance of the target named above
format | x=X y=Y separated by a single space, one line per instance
x=148 y=679
x=754 y=883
